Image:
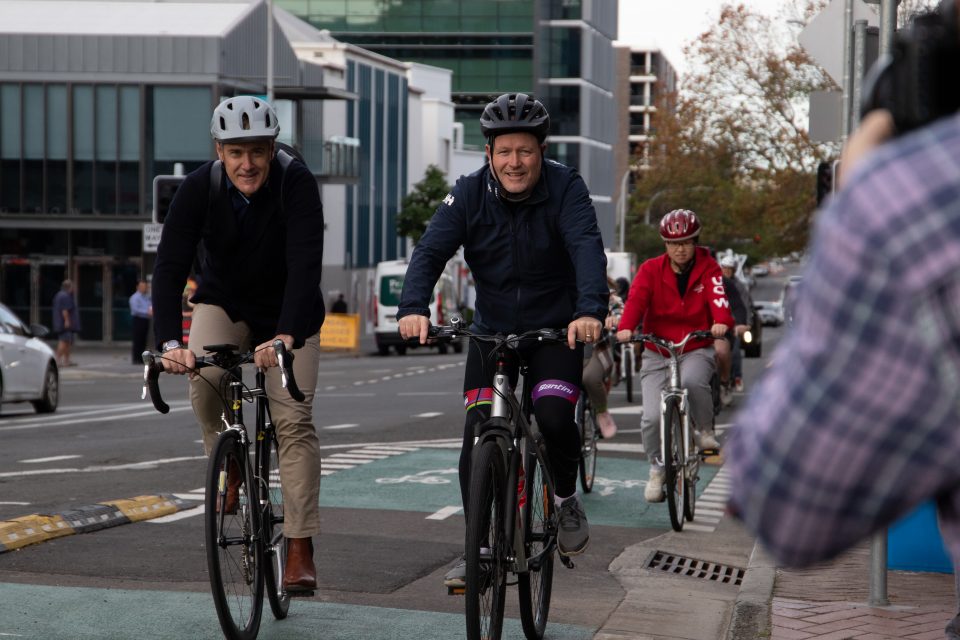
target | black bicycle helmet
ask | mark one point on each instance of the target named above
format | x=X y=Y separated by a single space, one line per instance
x=513 y=112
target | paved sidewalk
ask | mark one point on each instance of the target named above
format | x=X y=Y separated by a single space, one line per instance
x=830 y=602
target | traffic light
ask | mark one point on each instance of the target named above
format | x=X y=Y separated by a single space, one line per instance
x=163 y=189
x=824 y=181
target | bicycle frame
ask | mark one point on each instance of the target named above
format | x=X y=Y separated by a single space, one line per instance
x=675 y=391
x=506 y=409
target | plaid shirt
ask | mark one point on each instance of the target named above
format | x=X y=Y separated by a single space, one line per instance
x=858 y=419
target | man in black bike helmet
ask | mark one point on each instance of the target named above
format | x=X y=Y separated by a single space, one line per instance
x=257 y=221
x=531 y=240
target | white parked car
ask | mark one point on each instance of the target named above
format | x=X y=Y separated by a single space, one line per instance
x=28 y=366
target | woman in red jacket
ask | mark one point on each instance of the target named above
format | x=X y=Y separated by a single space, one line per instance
x=672 y=295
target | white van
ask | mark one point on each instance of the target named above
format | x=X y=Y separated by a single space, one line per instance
x=388 y=284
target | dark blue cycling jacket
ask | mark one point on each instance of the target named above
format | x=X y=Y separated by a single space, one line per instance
x=538 y=263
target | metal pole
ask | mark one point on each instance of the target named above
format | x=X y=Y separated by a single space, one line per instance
x=623 y=209
x=845 y=128
x=859 y=69
x=888 y=24
x=878 y=570
x=270 y=51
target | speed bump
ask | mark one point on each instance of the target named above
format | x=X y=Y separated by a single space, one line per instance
x=36 y=528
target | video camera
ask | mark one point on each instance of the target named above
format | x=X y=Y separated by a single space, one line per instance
x=917 y=81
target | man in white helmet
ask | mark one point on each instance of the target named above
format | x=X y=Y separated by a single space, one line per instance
x=257 y=220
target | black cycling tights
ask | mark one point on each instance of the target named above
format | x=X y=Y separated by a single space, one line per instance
x=555 y=371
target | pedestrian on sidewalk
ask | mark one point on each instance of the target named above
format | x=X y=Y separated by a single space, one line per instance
x=141 y=311
x=66 y=322
x=856 y=422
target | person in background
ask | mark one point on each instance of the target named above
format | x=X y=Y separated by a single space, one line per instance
x=141 y=310
x=598 y=368
x=730 y=360
x=187 y=308
x=66 y=322
x=339 y=305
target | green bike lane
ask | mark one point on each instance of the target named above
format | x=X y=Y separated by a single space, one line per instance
x=416 y=479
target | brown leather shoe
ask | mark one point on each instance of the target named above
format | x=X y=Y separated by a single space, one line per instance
x=234 y=480
x=300 y=574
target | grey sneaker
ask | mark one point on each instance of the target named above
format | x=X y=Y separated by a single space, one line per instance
x=456 y=578
x=574 y=531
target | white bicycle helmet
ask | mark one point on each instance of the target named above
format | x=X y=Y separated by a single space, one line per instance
x=244 y=118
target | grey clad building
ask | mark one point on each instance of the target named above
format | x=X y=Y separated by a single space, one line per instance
x=559 y=50
x=98 y=97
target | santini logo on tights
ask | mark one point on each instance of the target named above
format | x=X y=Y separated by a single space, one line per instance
x=556 y=388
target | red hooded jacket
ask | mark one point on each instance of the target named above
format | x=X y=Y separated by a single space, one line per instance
x=655 y=300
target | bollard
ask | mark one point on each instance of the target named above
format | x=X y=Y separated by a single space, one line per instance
x=878 y=570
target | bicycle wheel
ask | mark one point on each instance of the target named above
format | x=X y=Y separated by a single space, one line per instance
x=274 y=542
x=692 y=471
x=233 y=556
x=539 y=536
x=673 y=463
x=627 y=360
x=588 y=442
x=486 y=548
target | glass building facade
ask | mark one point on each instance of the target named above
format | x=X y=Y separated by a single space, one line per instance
x=559 y=50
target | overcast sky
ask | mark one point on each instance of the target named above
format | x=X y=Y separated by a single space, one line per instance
x=671 y=24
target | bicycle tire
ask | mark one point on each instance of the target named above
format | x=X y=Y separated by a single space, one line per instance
x=486 y=547
x=628 y=362
x=588 y=442
x=234 y=558
x=692 y=477
x=539 y=533
x=274 y=542
x=673 y=463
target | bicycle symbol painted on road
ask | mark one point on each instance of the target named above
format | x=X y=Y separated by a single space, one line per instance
x=432 y=476
x=608 y=486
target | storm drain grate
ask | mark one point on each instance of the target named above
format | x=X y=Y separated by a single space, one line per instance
x=693 y=568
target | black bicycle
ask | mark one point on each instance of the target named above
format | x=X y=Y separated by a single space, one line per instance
x=246 y=548
x=511 y=518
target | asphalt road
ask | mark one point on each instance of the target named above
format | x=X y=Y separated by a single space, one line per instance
x=390 y=430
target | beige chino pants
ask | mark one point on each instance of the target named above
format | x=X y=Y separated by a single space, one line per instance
x=298 y=442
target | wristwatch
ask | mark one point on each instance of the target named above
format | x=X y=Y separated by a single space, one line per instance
x=170 y=345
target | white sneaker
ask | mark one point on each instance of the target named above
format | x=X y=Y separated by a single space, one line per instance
x=738 y=384
x=653 y=492
x=706 y=440
x=726 y=396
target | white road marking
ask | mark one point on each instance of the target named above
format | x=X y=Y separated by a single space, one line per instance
x=424 y=393
x=14 y=503
x=190 y=496
x=146 y=464
x=622 y=447
x=428 y=414
x=179 y=515
x=97 y=419
x=444 y=513
x=341 y=426
x=631 y=410
x=697 y=527
x=50 y=459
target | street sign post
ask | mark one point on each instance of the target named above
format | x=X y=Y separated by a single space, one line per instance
x=823 y=37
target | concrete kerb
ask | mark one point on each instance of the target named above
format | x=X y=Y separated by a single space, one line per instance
x=669 y=605
x=751 y=610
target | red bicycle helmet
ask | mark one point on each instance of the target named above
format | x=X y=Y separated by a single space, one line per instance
x=678 y=225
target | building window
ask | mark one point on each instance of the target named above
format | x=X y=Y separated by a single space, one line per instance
x=10 y=133
x=83 y=146
x=564 y=10
x=563 y=52
x=563 y=104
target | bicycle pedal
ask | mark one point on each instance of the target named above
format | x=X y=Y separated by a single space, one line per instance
x=456 y=591
x=300 y=594
x=705 y=453
x=567 y=562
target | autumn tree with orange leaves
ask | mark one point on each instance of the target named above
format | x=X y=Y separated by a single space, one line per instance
x=733 y=144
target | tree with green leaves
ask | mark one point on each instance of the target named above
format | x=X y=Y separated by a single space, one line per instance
x=419 y=205
x=732 y=145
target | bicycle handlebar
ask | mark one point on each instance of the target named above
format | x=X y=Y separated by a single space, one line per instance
x=669 y=345
x=223 y=357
